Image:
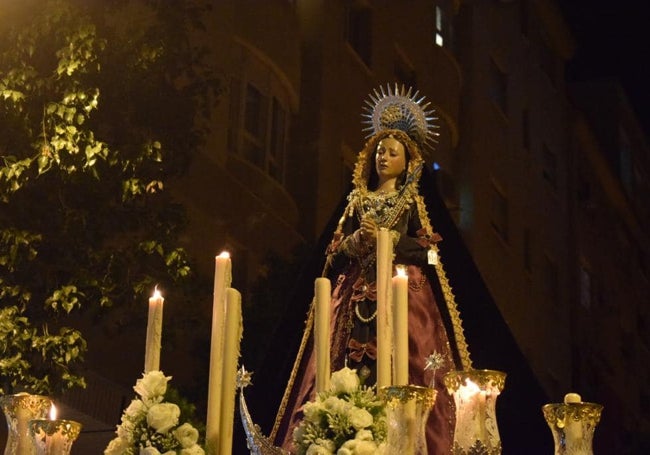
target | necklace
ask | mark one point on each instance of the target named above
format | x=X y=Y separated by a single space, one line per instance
x=361 y=318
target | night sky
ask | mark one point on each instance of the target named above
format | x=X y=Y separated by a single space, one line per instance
x=613 y=40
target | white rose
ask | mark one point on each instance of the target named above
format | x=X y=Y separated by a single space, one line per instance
x=149 y=451
x=344 y=381
x=364 y=435
x=312 y=410
x=117 y=447
x=337 y=406
x=194 y=450
x=315 y=449
x=365 y=448
x=152 y=386
x=326 y=443
x=135 y=409
x=125 y=431
x=187 y=435
x=163 y=416
x=349 y=445
x=360 y=418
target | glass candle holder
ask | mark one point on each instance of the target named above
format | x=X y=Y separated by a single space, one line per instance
x=19 y=409
x=573 y=424
x=53 y=437
x=407 y=411
x=475 y=393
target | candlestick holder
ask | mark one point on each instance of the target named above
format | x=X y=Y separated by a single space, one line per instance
x=573 y=424
x=475 y=393
x=19 y=409
x=53 y=437
x=407 y=411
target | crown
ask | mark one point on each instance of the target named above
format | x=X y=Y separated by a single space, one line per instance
x=397 y=108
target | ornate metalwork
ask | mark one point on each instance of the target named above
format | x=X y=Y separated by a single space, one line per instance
x=405 y=393
x=482 y=378
x=257 y=443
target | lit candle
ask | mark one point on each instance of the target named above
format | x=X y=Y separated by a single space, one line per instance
x=475 y=393
x=154 y=333
x=53 y=437
x=384 y=319
x=222 y=281
x=322 y=333
x=401 y=327
x=473 y=410
x=232 y=340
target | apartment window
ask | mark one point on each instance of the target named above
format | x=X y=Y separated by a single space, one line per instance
x=254 y=126
x=549 y=166
x=278 y=141
x=259 y=128
x=498 y=87
x=443 y=27
x=359 y=30
x=499 y=212
x=440 y=41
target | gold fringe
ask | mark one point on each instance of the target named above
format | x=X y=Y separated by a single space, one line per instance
x=447 y=292
x=294 y=371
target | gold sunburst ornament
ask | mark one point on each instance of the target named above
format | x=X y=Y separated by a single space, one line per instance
x=399 y=109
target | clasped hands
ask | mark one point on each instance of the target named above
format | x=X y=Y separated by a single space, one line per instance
x=368 y=229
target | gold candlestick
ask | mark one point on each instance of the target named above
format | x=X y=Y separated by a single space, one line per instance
x=573 y=424
x=19 y=409
x=53 y=437
x=475 y=393
x=407 y=411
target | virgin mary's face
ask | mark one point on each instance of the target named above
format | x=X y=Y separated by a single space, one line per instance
x=390 y=159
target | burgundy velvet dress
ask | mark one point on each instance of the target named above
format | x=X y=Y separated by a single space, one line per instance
x=353 y=328
x=350 y=266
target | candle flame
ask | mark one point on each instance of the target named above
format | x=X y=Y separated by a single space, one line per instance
x=52 y=412
x=401 y=270
x=224 y=254
x=469 y=389
x=156 y=293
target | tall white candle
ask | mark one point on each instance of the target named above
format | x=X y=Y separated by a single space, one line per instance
x=232 y=340
x=401 y=326
x=322 y=291
x=222 y=281
x=384 y=317
x=154 y=333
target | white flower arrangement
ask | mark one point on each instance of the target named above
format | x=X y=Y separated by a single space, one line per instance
x=150 y=426
x=347 y=419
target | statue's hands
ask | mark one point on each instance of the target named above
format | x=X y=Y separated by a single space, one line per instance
x=368 y=230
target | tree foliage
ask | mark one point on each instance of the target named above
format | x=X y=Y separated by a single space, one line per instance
x=100 y=104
